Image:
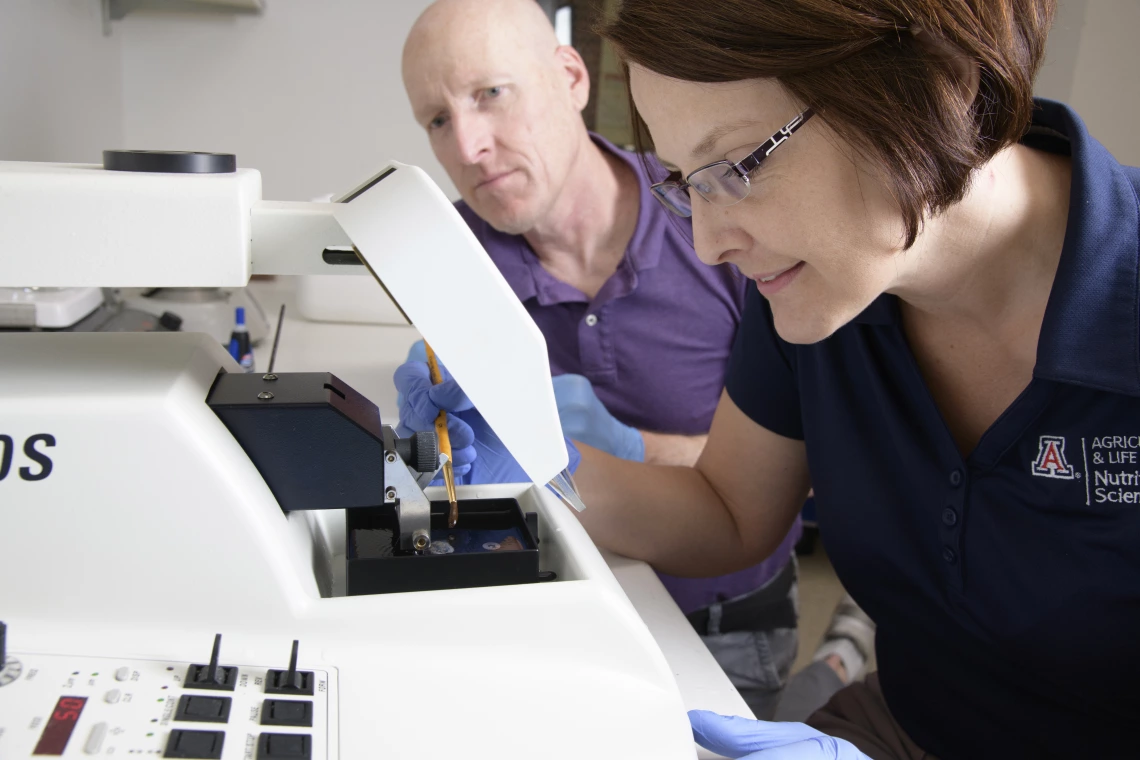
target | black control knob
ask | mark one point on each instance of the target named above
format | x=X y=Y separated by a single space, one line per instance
x=420 y=451
x=10 y=667
x=170 y=321
x=169 y=161
x=213 y=676
x=291 y=681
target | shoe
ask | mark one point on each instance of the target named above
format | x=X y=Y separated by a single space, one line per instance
x=851 y=637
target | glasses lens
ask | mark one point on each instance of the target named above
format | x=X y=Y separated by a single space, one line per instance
x=673 y=198
x=719 y=184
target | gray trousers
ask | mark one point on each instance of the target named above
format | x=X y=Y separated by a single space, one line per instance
x=758 y=661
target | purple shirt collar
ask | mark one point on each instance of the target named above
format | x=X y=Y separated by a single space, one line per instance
x=528 y=279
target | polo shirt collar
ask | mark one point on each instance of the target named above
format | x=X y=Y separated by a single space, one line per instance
x=526 y=275
x=644 y=249
x=1091 y=332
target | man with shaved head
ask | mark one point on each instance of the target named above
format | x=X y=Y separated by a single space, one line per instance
x=638 y=330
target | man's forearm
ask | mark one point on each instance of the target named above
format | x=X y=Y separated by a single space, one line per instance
x=664 y=448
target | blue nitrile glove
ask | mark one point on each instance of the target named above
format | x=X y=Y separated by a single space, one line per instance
x=586 y=419
x=733 y=736
x=478 y=454
x=417 y=353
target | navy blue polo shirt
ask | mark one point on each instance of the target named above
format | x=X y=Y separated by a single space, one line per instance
x=1005 y=585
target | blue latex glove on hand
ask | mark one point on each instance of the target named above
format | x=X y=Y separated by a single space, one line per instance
x=586 y=419
x=735 y=737
x=477 y=453
x=417 y=353
x=418 y=411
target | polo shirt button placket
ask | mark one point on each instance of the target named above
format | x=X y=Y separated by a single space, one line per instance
x=591 y=320
x=950 y=529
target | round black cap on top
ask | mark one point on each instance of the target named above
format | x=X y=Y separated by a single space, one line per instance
x=169 y=161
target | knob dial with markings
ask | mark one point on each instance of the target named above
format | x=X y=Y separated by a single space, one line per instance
x=10 y=667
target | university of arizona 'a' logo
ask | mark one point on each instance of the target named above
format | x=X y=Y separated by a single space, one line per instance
x=1051 y=462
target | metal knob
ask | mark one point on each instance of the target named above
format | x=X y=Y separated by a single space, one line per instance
x=420 y=451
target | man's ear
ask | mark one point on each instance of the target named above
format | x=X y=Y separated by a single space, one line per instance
x=965 y=68
x=571 y=65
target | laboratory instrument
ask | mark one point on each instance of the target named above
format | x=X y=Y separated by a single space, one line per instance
x=153 y=496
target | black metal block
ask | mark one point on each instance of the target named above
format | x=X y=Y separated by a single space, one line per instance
x=494 y=544
x=317 y=443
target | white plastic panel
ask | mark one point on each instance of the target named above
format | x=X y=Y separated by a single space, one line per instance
x=425 y=254
x=119 y=706
x=154 y=531
x=70 y=225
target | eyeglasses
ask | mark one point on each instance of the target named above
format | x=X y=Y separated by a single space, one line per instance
x=723 y=182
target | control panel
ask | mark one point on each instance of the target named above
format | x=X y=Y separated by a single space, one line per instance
x=61 y=706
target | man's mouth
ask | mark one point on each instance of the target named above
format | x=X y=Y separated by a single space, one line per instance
x=494 y=178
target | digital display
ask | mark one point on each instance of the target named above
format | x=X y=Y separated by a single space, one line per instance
x=53 y=741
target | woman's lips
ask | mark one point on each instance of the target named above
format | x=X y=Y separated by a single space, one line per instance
x=772 y=283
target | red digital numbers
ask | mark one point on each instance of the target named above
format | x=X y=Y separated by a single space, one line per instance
x=53 y=740
x=68 y=708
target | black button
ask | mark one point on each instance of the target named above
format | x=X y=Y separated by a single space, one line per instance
x=278 y=682
x=949 y=555
x=203 y=709
x=287 y=712
x=284 y=747
x=198 y=744
x=949 y=517
x=955 y=478
x=199 y=677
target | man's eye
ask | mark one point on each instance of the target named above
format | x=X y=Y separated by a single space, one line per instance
x=495 y=91
x=437 y=122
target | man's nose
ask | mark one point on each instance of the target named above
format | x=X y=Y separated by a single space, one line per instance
x=473 y=138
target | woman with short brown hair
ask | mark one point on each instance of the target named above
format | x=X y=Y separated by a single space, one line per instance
x=943 y=340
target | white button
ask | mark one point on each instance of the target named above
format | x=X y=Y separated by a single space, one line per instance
x=591 y=320
x=122 y=673
x=112 y=696
x=95 y=740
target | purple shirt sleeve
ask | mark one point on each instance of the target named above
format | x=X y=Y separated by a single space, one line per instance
x=655 y=341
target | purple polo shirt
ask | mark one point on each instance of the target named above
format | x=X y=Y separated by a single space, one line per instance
x=654 y=342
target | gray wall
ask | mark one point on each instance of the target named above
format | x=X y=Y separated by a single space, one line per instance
x=1093 y=64
x=61 y=95
x=309 y=92
x=1106 y=84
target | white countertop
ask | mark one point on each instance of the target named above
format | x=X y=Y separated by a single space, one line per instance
x=365 y=356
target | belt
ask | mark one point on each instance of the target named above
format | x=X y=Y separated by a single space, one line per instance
x=768 y=607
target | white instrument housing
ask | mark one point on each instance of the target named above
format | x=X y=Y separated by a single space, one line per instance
x=134 y=527
x=152 y=531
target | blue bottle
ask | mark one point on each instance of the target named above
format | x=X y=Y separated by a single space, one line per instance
x=241 y=349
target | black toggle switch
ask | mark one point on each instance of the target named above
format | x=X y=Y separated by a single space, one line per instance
x=201 y=709
x=291 y=681
x=287 y=712
x=212 y=676
x=205 y=745
x=284 y=747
